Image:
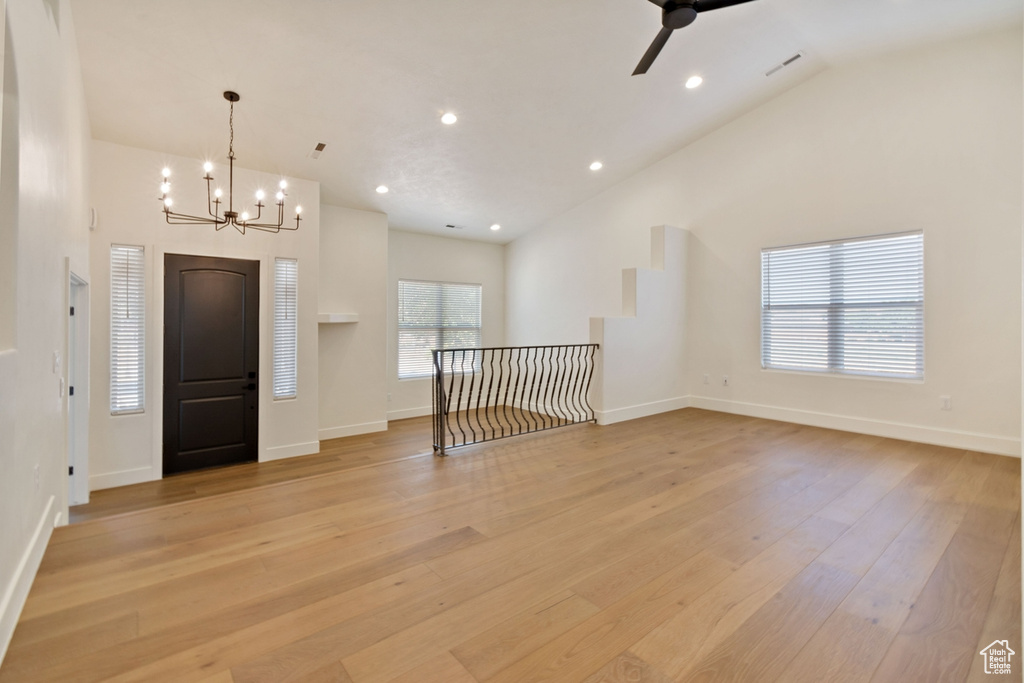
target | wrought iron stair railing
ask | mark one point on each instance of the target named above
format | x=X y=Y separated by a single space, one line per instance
x=495 y=393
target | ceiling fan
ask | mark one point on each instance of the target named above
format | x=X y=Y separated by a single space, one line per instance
x=677 y=14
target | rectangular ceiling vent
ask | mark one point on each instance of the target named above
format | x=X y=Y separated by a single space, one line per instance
x=779 y=67
x=318 y=150
x=454 y=227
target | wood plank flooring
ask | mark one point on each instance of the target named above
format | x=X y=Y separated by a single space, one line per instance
x=688 y=546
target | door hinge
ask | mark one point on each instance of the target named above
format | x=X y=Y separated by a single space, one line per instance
x=71 y=391
x=72 y=310
x=71 y=470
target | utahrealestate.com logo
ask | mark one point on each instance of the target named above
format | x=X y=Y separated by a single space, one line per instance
x=997 y=657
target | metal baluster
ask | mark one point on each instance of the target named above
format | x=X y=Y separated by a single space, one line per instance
x=515 y=387
x=534 y=391
x=448 y=397
x=590 y=376
x=563 y=415
x=490 y=388
x=504 y=401
x=577 y=360
x=435 y=402
x=458 y=400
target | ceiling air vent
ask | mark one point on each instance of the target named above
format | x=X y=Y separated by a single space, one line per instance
x=453 y=227
x=779 y=67
x=320 y=147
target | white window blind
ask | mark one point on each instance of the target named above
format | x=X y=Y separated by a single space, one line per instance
x=127 y=329
x=286 y=327
x=435 y=315
x=851 y=306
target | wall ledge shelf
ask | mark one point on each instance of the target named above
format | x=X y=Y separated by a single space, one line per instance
x=333 y=318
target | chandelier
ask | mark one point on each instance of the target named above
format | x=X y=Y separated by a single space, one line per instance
x=240 y=221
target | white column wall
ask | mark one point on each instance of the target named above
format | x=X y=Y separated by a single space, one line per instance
x=353 y=356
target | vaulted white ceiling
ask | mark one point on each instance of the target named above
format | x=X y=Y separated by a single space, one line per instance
x=541 y=87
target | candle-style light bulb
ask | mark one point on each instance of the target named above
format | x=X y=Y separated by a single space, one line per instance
x=245 y=215
x=298 y=210
x=284 y=184
x=167 y=202
x=165 y=188
x=218 y=193
x=260 y=195
x=207 y=167
x=280 y=196
x=167 y=172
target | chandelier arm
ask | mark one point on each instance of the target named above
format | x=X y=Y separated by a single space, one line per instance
x=175 y=218
x=269 y=227
x=211 y=204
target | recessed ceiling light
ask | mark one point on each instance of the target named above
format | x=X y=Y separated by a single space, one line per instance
x=382 y=189
x=449 y=118
x=596 y=166
x=495 y=227
x=693 y=82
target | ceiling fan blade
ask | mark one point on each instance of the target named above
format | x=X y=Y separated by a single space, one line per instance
x=652 y=51
x=708 y=5
x=659 y=3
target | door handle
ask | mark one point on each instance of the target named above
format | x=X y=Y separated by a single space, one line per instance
x=251 y=386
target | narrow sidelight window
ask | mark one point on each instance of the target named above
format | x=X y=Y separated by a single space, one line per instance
x=286 y=327
x=127 y=329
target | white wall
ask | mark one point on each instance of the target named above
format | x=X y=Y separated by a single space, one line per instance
x=353 y=356
x=414 y=256
x=928 y=139
x=48 y=131
x=127 y=449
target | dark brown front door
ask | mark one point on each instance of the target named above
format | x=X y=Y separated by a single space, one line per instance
x=211 y=360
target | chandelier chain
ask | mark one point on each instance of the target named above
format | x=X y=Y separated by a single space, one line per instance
x=231 y=125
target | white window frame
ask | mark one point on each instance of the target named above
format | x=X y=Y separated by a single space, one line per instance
x=286 y=328
x=845 y=307
x=414 y=360
x=127 y=329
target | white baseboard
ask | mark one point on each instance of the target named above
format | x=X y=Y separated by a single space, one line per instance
x=122 y=478
x=16 y=591
x=986 y=443
x=291 y=451
x=409 y=412
x=607 y=417
x=352 y=430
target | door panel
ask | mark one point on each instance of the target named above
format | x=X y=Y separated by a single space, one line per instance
x=212 y=325
x=211 y=359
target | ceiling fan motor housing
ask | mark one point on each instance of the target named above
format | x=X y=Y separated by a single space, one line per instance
x=678 y=15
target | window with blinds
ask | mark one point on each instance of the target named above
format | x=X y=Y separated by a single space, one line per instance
x=851 y=306
x=286 y=328
x=127 y=329
x=435 y=315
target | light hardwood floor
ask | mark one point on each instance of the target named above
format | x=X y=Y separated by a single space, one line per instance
x=689 y=546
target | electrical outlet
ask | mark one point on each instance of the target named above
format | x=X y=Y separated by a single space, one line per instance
x=725 y=380
x=707 y=379
x=947 y=402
